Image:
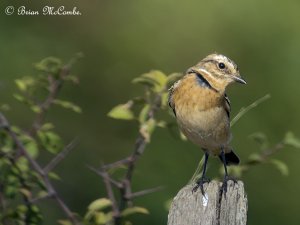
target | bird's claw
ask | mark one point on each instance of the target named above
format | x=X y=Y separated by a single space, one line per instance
x=224 y=185
x=200 y=183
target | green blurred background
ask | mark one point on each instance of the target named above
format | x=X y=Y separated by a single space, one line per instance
x=122 y=39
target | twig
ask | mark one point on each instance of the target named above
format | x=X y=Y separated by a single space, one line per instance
x=34 y=200
x=271 y=151
x=144 y=192
x=54 y=88
x=104 y=175
x=139 y=149
x=124 y=184
x=111 y=196
x=266 y=154
x=243 y=111
x=53 y=163
x=50 y=189
x=117 y=163
x=240 y=114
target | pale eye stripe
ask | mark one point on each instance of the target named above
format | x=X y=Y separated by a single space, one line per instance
x=208 y=73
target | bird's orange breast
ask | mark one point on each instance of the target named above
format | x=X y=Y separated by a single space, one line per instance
x=190 y=96
x=200 y=114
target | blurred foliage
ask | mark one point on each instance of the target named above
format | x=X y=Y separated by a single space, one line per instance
x=266 y=154
x=21 y=184
x=24 y=183
x=155 y=95
x=121 y=39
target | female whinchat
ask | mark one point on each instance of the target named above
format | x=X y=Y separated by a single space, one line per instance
x=202 y=108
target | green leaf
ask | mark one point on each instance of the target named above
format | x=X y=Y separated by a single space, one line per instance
x=281 y=166
x=254 y=157
x=122 y=112
x=6 y=144
x=22 y=164
x=164 y=99
x=10 y=191
x=236 y=171
x=182 y=136
x=25 y=192
x=147 y=129
x=144 y=113
x=42 y=194
x=49 y=65
x=102 y=218
x=30 y=145
x=54 y=176
x=20 y=98
x=72 y=78
x=21 y=85
x=47 y=126
x=134 y=210
x=68 y=105
x=162 y=124
x=36 y=109
x=24 y=83
x=99 y=204
x=155 y=79
x=291 y=140
x=22 y=208
x=50 y=141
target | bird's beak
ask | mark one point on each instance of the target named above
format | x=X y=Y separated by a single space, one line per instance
x=239 y=80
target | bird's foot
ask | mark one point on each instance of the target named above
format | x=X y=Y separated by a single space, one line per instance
x=200 y=183
x=224 y=185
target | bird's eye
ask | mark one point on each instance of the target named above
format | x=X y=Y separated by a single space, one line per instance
x=221 y=66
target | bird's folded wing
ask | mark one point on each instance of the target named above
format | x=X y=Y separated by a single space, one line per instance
x=170 y=99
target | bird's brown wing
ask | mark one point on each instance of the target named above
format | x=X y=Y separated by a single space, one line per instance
x=170 y=99
x=227 y=106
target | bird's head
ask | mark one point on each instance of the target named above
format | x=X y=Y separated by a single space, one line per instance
x=220 y=68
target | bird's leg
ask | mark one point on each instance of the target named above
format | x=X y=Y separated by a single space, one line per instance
x=226 y=177
x=203 y=178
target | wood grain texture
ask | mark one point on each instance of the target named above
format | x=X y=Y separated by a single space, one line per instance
x=214 y=208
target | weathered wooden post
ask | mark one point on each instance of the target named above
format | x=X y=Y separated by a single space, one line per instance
x=214 y=208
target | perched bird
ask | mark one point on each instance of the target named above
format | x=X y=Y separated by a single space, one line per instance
x=202 y=109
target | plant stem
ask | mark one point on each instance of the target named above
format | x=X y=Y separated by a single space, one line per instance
x=243 y=111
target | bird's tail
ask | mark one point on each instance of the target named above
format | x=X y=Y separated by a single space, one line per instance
x=231 y=158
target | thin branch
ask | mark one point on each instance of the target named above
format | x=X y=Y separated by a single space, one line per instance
x=54 y=88
x=144 y=192
x=117 y=163
x=141 y=143
x=124 y=184
x=38 y=199
x=56 y=160
x=243 y=111
x=104 y=175
x=111 y=196
x=50 y=189
x=266 y=154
